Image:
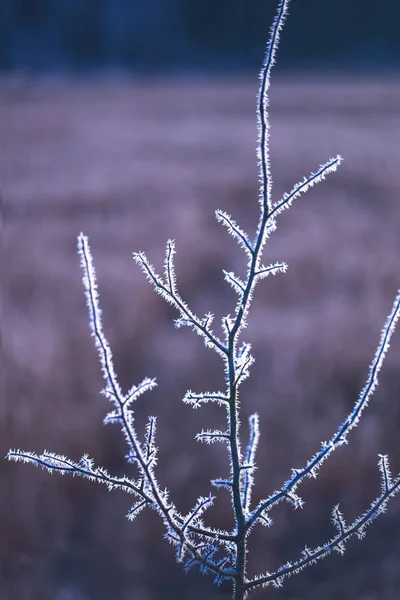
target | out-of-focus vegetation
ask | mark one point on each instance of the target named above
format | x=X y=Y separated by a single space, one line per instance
x=132 y=165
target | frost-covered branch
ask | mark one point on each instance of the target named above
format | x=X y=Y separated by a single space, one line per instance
x=85 y=468
x=351 y=421
x=337 y=543
x=167 y=289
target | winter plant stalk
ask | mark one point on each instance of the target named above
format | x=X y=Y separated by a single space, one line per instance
x=223 y=554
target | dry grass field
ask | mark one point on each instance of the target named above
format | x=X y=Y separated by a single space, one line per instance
x=132 y=164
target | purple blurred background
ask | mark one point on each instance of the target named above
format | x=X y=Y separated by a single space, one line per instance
x=133 y=161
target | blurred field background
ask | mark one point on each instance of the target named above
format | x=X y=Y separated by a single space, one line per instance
x=131 y=164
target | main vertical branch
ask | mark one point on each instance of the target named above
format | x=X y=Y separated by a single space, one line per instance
x=265 y=177
x=236 y=458
x=242 y=307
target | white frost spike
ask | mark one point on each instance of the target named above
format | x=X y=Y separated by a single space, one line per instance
x=114 y=417
x=361 y=533
x=340 y=548
x=278 y=582
x=294 y=500
x=87 y=462
x=207 y=321
x=178 y=323
x=306 y=553
x=265 y=520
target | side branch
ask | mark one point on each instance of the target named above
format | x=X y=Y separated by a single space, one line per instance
x=169 y=293
x=95 y=322
x=340 y=437
x=235 y=231
x=62 y=464
x=337 y=543
x=302 y=186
